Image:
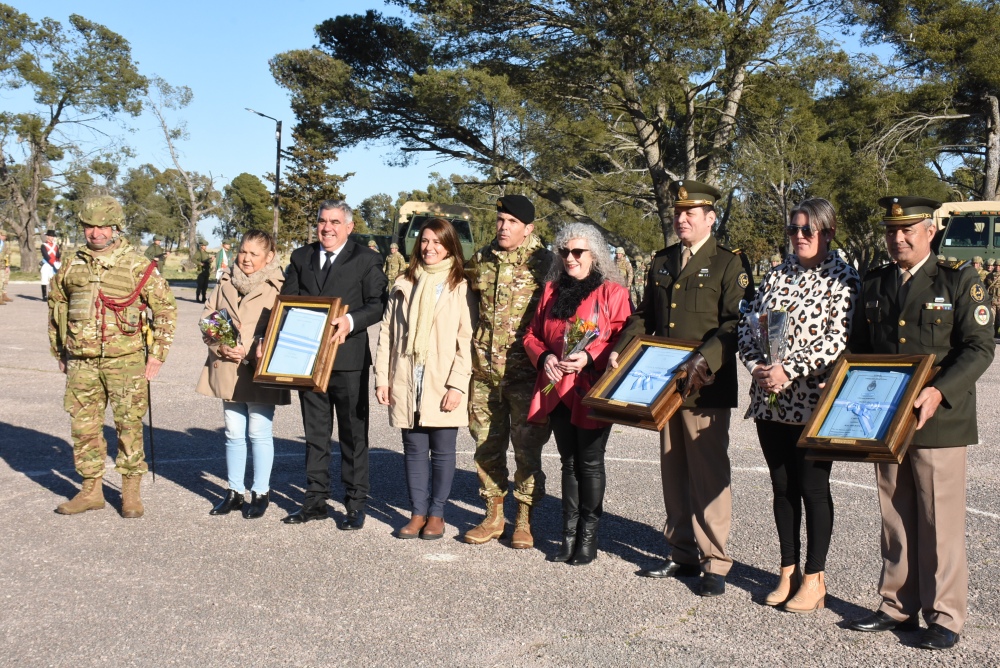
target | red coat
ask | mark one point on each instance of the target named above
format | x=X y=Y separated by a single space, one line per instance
x=546 y=335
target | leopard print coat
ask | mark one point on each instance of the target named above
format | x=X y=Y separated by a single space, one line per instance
x=820 y=302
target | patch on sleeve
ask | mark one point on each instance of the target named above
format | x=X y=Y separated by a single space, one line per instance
x=982 y=315
x=977 y=292
x=744 y=280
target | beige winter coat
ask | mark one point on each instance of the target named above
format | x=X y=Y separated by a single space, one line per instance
x=233 y=381
x=448 y=365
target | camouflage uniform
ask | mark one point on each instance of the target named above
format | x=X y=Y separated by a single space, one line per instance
x=393 y=267
x=508 y=286
x=5 y=253
x=625 y=268
x=994 y=292
x=638 y=287
x=104 y=350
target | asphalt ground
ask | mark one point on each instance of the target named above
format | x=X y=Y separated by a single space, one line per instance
x=179 y=587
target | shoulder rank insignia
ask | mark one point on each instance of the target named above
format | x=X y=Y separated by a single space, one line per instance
x=977 y=292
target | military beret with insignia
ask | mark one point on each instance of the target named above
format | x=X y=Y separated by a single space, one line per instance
x=518 y=206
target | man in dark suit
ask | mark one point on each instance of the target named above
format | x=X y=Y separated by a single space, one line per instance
x=917 y=305
x=335 y=266
x=693 y=291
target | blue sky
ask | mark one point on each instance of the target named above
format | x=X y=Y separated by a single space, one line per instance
x=220 y=50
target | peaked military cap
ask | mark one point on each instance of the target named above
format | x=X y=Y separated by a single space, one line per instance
x=103 y=211
x=50 y=233
x=694 y=193
x=518 y=206
x=906 y=211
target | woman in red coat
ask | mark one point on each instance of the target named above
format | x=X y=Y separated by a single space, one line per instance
x=585 y=287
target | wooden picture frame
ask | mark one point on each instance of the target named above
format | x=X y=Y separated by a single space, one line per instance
x=865 y=411
x=298 y=347
x=643 y=391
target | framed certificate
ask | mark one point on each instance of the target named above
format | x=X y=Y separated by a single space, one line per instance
x=643 y=390
x=298 y=348
x=865 y=413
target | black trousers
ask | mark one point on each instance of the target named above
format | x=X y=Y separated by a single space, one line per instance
x=347 y=398
x=797 y=483
x=201 y=289
x=581 y=452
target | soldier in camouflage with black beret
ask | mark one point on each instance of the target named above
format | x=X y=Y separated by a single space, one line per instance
x=100 y=331
x=507 y=277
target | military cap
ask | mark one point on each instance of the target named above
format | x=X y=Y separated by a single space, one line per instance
x=776 y=257
x=693 y=193
x=103 y=211
x=518 y=206
x=157 y=238
x=991 y=261
x=620 y=250
x=393 y=245
x=50 y=233
x=372 y=244
x=940 y=258
x=951 y=258
x=906 y=211
x=202 y=242
x=977 y=258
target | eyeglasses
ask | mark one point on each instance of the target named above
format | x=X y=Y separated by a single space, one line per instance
x=576 y=252
x=806 y=231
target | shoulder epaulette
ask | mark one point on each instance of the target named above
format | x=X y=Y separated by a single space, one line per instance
x=953 y=265
x=662 y=251
x=734 y=251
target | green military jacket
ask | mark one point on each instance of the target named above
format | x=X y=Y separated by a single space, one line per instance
x=202 y=260
x=508 y=285
x=80 y=327
x=946 y=313
x=154 y=252
x=700 y=303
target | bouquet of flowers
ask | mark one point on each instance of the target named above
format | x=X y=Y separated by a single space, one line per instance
x=579 y=334
x=770 y=333
x=218 y=328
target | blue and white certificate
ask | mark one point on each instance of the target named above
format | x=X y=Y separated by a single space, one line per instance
x=298 y=342
x=867 y=401
x=649 y=375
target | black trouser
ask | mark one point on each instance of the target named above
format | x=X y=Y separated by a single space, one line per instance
x=581 y=452
x=430 y=467
x=201 y=291
x=797 y=482
x=347 y=396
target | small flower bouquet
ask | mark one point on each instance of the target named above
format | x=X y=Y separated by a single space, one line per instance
x=218 y=328
x=579 y=334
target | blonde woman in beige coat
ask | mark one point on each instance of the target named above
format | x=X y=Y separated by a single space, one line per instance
x=247 y=291
x=422 y=370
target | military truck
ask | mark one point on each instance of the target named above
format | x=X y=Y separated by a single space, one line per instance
x=967 y=229
x=413 y=214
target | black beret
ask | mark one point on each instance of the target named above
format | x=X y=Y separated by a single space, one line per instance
x=518 y=206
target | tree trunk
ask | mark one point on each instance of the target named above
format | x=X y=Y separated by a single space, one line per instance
x=992 y=149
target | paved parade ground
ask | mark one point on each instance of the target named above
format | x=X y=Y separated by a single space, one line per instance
x=179 y=587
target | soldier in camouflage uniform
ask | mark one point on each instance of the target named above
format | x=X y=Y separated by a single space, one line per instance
x=394 y=264
x=993 y=290
x=5 y=252
x=991 y=264
x=977 y=264
x=507 y=277
x=99 y=332
x=624 y=266
x=638 y=280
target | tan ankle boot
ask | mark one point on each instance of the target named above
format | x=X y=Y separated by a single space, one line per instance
x=90 y=497
x=522 y=539
x=811 y=595
x=413 y=527
x=131 y=502
x=788 y=584
x=491 y=527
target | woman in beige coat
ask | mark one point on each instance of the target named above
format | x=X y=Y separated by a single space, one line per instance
x=247 y=291
x=422 y=370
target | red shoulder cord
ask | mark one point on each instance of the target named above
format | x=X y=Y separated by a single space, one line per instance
x=118 y=306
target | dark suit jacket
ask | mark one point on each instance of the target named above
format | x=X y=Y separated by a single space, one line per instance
x=963 y=345
x=701 y=303
x=357 y=278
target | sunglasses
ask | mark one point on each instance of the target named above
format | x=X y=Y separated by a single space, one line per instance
x=575 y=252
x=792 y=230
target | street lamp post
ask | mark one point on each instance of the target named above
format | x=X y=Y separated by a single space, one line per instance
x=277 y=165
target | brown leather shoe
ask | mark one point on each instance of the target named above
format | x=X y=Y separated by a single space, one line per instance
x=522 y=538
x=434 y=528
x=131 y=501
x=811 y=596
x=491 y=527
x=788 y=584
x=413 y=527
x=90 y=497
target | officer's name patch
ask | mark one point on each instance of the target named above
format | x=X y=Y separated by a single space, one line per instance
x=977 y=292
x=982 y=315
x=743 y=280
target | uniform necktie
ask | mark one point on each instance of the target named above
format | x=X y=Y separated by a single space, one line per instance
x=685 y=257
x=904 y=285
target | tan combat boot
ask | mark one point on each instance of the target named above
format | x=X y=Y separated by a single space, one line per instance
x=90 y=497
x=491 y=527
x=522 y=540
x=131 y=503
x=6 y=298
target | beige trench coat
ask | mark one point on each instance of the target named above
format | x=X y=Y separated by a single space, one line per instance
x=233 y=381
x=449 y=363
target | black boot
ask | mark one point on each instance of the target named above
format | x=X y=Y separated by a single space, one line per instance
x=591 y=509
x=586 y=551
x=44 y=294
x=571 y=516
x=257 y=506
x=230 y=502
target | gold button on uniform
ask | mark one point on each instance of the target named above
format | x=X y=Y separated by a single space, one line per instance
x=701 y=285
x=902 y=323
x=673 y=306
x=938 y=321
x=677 y=286
x=902 y=339
x=671 y=324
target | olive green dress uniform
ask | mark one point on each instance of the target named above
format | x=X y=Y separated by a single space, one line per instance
x=700 y=302
x=202 y=260
x=922 y=500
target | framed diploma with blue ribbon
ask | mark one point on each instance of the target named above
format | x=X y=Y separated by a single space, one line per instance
x=298 y=349
x=865 y=412
x=645 y=389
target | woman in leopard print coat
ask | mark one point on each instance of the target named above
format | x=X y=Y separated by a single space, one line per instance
x=819 y=291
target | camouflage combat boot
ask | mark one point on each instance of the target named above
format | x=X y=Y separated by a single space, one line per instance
x=131 y=503
x=90 y=497
x=522 y=540
x=491 y=527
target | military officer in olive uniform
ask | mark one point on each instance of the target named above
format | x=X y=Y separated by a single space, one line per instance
x=109 y=348
x=918 y=306
x=202 y=260
x=155 y=252
x=694 y=291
